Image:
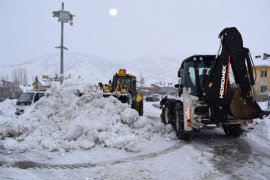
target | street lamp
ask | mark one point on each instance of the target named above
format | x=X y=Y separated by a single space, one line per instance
x=63 y=17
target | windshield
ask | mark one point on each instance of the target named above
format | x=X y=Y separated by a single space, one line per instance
x=126 y=81
x=203 y=70
x=122 y=80
x=26 y=97
x=189 y=77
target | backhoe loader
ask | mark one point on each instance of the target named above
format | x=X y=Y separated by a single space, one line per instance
x=215 y=90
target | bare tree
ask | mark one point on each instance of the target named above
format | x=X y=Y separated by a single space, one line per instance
x=24 y=77
x=19 y=76
x=14 y=76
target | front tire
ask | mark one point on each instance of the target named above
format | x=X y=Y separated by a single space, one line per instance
x=167 y=116
x=179 y=122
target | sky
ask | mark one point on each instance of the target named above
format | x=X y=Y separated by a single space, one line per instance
x=141 y=28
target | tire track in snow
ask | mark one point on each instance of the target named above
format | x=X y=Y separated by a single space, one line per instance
x=229 y=154
x=34 y=165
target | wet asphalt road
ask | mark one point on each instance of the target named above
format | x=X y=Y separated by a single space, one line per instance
x=235 y=158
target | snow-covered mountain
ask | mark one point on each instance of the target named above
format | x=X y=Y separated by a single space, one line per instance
x=154 y=69
x=94 y=68
x=87 y=66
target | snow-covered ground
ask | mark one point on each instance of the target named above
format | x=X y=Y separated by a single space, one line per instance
x=90 y=137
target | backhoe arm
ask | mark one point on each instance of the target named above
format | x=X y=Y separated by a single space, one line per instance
x=235 y=99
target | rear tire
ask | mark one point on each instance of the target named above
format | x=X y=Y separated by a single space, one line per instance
x=140 y=108
x=233 y=130
x=179 y=122
x=162 y=115
x=167 y=116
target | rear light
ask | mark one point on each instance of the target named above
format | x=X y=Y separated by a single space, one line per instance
x=187 y=112
x=188 y=122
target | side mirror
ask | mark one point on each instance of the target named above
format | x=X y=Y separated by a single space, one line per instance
x=179 y=72
x=176 y=85
x=180 y=89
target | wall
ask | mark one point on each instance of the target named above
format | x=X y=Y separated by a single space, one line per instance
x=262 y=81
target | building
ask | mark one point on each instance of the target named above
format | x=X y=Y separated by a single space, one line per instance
x=167 y=91
x=43 y=83
x=262 y=84
x=161 y=90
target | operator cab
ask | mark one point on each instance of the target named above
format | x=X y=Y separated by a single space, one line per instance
x=126 y=82
x=194 y=72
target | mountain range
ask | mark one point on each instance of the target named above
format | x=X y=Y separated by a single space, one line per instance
x=93 y=68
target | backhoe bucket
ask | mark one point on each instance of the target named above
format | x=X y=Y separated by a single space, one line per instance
x=244 y=109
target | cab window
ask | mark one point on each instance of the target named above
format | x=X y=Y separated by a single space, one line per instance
x=38 y=96
x=190 y=77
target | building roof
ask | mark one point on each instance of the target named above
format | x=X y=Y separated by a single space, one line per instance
x=43 y=81
x=260 y=62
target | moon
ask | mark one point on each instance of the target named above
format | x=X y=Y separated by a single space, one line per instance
x=113 y=12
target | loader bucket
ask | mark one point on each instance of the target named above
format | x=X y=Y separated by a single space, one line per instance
x=124 y=99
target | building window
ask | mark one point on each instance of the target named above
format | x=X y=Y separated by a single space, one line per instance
x=263 y=73
x=263 y=89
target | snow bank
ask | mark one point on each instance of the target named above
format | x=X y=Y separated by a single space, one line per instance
x=7 y=107
x=261 y=132
x=64 y=121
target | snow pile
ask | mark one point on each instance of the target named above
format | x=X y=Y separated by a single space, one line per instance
x=261 y=132
x=66 y=122
x=6 y=106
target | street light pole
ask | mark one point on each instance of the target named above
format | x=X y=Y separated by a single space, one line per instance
x=63 y=17
x=62 y=50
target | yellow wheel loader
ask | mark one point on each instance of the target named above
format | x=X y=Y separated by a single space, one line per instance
x=123 y=87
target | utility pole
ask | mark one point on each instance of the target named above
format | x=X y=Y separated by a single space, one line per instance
x=63 y=17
